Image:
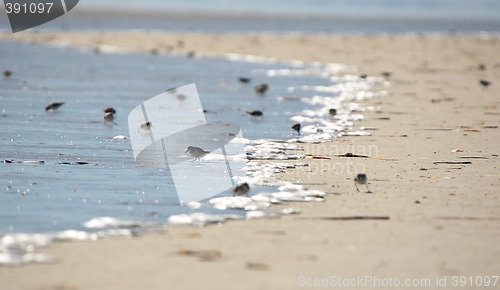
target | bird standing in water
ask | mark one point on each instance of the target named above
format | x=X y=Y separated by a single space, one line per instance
x=196 y=152
x=52 y=107
x=109 y=110
x=261 y=89
x=255 y=113
x=109 y=117
x=244 y=80
x=145 y=125
x=241 y=189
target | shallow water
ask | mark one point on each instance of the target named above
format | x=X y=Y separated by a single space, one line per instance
x=53 y=196
x=65 y=174
x=351 y=19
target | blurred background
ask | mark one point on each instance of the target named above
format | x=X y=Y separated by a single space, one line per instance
x=281 y=16
x=471 y=9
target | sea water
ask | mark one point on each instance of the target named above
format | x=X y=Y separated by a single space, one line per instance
x=67 y=170
x=298 y=16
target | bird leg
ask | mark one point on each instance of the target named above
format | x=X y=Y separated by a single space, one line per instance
x=356 y=186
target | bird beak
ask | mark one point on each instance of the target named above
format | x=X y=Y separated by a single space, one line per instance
x=186 y=151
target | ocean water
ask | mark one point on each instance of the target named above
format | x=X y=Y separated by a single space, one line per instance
x=65 y=174
x=465 y=9
x=297 y=16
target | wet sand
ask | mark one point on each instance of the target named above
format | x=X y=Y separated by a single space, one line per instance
x=432 y=219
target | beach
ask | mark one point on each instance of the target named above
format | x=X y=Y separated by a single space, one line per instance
x=432 y=167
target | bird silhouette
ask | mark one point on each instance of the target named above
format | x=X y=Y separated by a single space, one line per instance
x=296 y=127
x=361 y=178
x=261 y=89
x=53 y=106
x=241 y=189
x=255 y=113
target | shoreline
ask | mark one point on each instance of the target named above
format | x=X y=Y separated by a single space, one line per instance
x=443 y=219
x=265 y=46
x=219 y=22
x=203 y=12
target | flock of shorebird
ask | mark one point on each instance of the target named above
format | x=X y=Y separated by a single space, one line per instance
x=260 y=90
x=197 y=153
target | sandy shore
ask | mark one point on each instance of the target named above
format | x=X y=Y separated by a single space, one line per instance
x=443 y=219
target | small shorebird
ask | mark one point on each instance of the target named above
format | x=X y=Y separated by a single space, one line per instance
x=109 y=110
x=196 y=152
x=7 y=73
x=296 y=127
x=485 y=83
x=332 y=112
x=145 y=125
x=261 y=89
x=361 y=178
x=241 y=189
x=255 y=113
x=244 y=80
x=109 y=117
x=53 y=106
x=363 y=76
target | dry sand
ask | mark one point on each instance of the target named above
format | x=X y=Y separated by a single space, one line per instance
x=443 y=219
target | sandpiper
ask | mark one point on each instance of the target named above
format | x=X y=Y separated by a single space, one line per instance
x=7 y=73
x=53 y=106
x=109 y=110
x=296 y=127
x=261 y=89
x=332 y=112
x=244 y=80
x=241 y=189
x=145 y=125
x=109 y=117
x=196 y=152
x=255 y=113
x=386 y=74
x=361 y=178
x=485 y=83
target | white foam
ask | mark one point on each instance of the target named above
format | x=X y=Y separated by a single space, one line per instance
x=270 y=151
x=239 y=202
x=356 y=133
x=107 y=222
x=22 y=248
x=201 y=219
x=257 y=214
x=220 y=157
